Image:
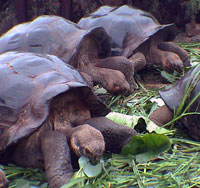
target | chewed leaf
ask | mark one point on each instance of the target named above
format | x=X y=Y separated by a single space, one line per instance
x=133 y=120
x=21 y=183
x=89 y=169
x=83 y=161
x=123 y=119
x=147 y=147
x=152 y=127
x=100 y=91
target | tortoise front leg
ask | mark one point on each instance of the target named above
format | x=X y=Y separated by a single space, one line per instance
x=87 y=78
x=161 y=115
x=57 y=159
x=172 y=47
x=139 y=61
x=115 y=135
x=119 y=63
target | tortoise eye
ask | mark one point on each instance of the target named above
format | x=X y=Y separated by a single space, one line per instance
x=116 y=86
x=87 y=152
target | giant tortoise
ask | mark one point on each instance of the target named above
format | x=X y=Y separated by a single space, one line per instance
x=47 y=110
x=83 y=49
x=135 y=34
x=183 y=97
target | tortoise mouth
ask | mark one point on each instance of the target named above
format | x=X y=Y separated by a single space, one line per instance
x=94 y=161
x=89 y=142
x=94 y=153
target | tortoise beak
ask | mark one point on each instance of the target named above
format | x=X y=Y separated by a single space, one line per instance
x=94 y=161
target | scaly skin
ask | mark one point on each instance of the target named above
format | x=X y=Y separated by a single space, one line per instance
x=113 y=81
x=121 y=64
x=57 y=159
x=115 y=135
x=115 y=74
x=69 y=126
x=49 y=147
x=167 y=55
x=172 y=47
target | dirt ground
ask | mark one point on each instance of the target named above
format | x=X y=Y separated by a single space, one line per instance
x=151 y=78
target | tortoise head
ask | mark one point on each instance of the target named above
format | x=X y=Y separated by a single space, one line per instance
x=117 y=83
x=3 y=180
x=88 y=141
x=172 y=62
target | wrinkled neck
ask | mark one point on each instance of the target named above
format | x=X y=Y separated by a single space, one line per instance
x=154 y=55
x=99 y=75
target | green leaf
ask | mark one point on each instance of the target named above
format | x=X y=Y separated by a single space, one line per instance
x=133 y=120
x=89 y=169
x=123 y=119
x=146 y=147
x=169 y=77
x=152 y=127
x=21 y=183
x=74 y=182
x=100 y=91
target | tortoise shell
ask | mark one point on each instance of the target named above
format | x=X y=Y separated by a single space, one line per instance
x=54 y=35
x=28 y=83
x=190 y=85
x=129 y=27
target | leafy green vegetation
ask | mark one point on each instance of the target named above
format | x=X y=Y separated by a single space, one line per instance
x=146 y=147
x=178 y=167
x=193 y=6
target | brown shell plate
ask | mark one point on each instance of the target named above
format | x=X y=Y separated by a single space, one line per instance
x=28 y=83
x=129 y=27
x=53 y=35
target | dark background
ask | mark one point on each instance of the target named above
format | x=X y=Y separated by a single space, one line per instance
x=13 y=12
